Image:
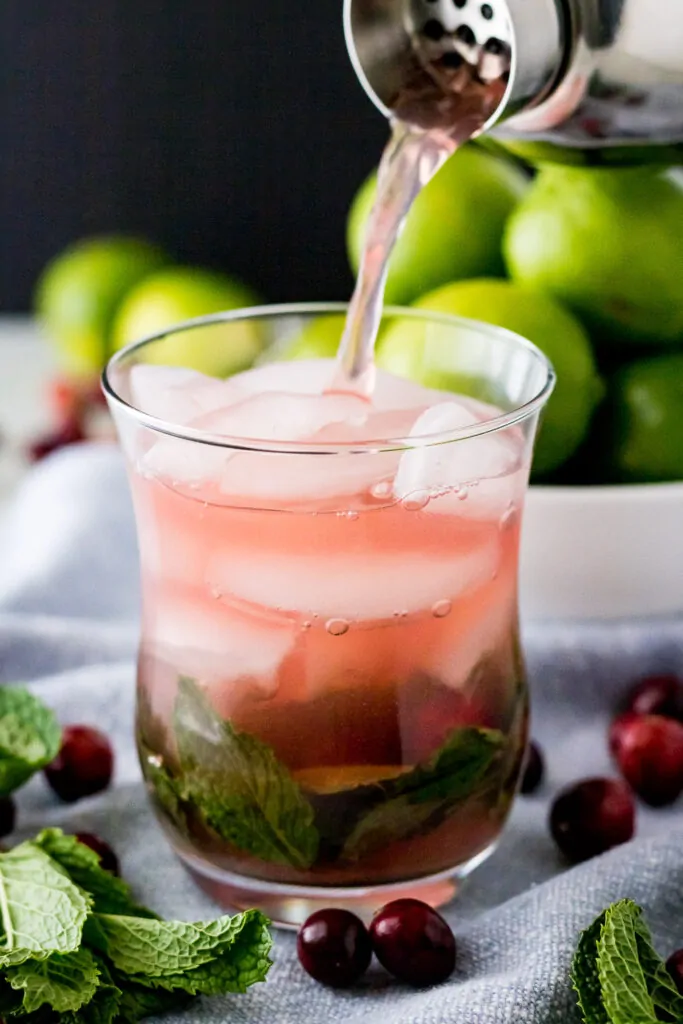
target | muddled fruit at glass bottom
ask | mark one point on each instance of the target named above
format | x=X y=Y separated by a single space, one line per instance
x=252 y=803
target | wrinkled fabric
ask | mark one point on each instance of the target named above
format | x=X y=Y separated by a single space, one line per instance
x=69 y=600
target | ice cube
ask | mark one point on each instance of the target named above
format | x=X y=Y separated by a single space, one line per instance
x=217 y=644
x=349 y=585
x=280 y=416
x=292 y=478
x=181 y=462
x=393 y=392
x=178 y=395
x=471 y=476
x=299 y=377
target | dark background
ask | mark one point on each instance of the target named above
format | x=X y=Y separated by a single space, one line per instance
x=233 y=132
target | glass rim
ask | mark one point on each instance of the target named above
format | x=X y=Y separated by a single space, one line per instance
x=371 y=445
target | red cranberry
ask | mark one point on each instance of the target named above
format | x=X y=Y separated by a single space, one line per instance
x=591 y=817
x=656 y=695
x=534 y=769
x=108 y=859
x=413 y=942
x=8 y=815
x=650 y=756
x=618 y=730
x=83 y=766
x=69 y=433
x=674 y=966
x=334 y=947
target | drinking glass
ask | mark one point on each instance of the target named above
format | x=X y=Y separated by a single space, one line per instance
x=332 y=706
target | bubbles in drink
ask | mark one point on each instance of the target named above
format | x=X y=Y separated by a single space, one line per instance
x=441 y=609
x=416 y=501
x=337 y=627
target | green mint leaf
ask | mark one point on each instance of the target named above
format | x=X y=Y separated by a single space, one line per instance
x=241 y=960
x=585 y=976
x=663 y=992
x=110 y=895
x=64 y=981
x=403 y=806
x=106 y=1004
x=226 y=955
x=623 y=983
x=239 y=788
x=41 y=910
x=29 y=737
x=135 y=1002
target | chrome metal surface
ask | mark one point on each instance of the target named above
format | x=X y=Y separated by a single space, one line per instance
x=574 y=80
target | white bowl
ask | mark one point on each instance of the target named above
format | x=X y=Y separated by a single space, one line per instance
x=603 y=552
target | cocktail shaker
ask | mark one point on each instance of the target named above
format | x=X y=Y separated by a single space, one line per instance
x=578 y=81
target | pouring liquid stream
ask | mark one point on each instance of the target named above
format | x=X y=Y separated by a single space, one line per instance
x=410 y=160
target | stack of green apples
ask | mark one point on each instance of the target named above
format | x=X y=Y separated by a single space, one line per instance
x=587 y=263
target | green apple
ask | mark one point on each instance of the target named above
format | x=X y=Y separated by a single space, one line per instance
x=79 y=291
x=609 y=244
x=454 y=228
x=436 y=358
x=182 y=293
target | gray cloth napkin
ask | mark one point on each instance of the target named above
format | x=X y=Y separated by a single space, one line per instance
x=68 y=624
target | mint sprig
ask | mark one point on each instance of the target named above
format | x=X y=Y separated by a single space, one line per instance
x=231 y=784
x=29 y=737
x=243 y=793
x=428 y=793
x=77 y=949
x=617 y=974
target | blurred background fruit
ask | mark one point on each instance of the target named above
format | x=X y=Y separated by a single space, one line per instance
x=533 y=315
x=607 y=243
x=176 y=294
x=318 y=340
x=595 y=259
x=78 y=293
x=641 y=427
x=454 y=228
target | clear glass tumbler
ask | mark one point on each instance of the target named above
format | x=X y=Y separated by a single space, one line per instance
x=332 y=705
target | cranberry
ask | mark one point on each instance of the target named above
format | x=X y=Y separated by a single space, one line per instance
x=8 y=815
x=83 y=766
x=650 y=756
x=618 y=730
x=674 y=966
x=108 y=859
x=591 y=817
x=656 y=695
x=534 y=769
x=70 y=432
x=334 y=947
x=413 y=942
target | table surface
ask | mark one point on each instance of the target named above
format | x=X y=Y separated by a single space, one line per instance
x=26 y=364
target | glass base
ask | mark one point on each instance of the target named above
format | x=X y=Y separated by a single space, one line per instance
x=288 y=906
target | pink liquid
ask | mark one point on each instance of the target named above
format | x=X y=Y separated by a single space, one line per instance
x=355 y=639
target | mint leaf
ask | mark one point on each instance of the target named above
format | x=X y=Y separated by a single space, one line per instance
x=240 y=960
x=585 y=976
x=29 y=737
x=238 y=787
x=65 y=981
x=624 y=987
x=663 y=992
x=106 y=1004
x=111 y=895
x=405 y=805
x=166 y=953
x=137 y=1002
x=41 y=910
